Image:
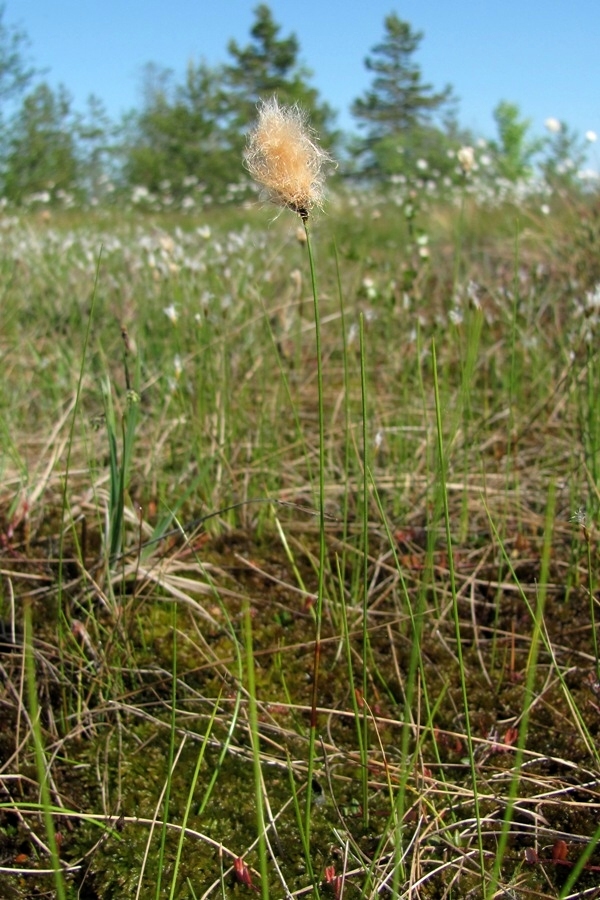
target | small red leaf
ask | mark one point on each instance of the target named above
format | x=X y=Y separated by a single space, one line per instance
x=511 y=736
x=333 y=882
x=559 y=851
x=242 y=873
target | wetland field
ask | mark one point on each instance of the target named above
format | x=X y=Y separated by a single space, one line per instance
x=292 y=604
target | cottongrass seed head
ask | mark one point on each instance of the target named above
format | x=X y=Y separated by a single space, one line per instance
x=282 y=155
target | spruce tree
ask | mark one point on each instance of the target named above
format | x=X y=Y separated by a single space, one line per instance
x=177 y=135
x=198 y=128
x=269 y=66
x=15 y=73
x=41 y=148
x=399 y=106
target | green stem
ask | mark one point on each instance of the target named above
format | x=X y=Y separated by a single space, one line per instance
x=588 y=542
x=255 y=739
x=365 y=610
x=455 y=611
x=171 y=755
x=321 y=578
x=529 y=693
x=40 y=755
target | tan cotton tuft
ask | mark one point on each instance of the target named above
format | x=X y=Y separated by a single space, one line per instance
x=282 y=156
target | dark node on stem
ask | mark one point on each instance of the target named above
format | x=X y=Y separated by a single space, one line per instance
x=301 y=210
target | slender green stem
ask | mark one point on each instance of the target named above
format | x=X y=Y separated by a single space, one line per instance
x=348 y=443
x=529 y=694
x=40 y=756
x=65 y=504
x=301 y=832
x=455 y=611
x=321 y=576
x=580 y=865
x=353 y=693
x=583 y=729
x=255 y=738
x=365 y=593
x=167 y=800
x=588 y=542
x=514 y=332
x=190 y=798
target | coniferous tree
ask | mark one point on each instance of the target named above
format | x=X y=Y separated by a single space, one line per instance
x=41 y=148
x=514 y=150
x=398 y=111
x=97 y=149
x=15 y=73
x=269 y=66
x=197 y=129
x=177 y=137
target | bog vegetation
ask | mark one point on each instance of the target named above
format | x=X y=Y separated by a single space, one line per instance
x=298 y=540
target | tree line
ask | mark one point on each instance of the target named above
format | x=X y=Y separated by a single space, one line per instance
x=188 y=135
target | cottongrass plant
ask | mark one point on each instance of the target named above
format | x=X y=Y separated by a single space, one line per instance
x=284 y=157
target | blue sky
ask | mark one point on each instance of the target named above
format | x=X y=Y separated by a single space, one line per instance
x=543 y=56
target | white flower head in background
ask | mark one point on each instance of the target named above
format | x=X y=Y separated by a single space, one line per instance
x=553 y=125
x=283 y=155
x=177 y=367
x=171 y=313
x=591 y=136
x=466 y=158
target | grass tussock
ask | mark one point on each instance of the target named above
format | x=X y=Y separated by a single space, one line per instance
x=162 y=572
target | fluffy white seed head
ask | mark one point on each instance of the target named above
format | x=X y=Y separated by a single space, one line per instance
x=282 y=155
x=466 y=158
